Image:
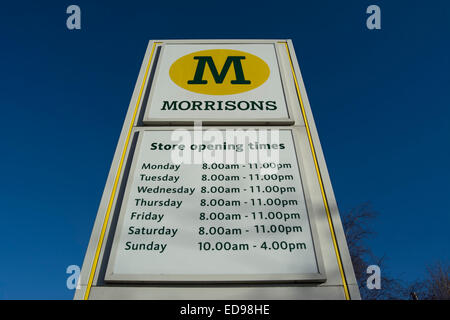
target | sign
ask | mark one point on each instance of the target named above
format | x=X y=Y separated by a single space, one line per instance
x=217 y=83
x=213 y=221
x=218 y=188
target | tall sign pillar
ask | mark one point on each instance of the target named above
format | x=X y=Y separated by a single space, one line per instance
x=218 y=188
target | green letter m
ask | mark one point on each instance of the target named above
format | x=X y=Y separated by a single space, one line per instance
x=219 y=77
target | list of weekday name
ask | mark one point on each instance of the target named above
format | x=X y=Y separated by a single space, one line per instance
x=213 y=218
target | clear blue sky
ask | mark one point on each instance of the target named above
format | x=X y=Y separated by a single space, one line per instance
x=380 y=100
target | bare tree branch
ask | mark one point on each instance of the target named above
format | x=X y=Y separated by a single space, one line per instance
x=357 y=226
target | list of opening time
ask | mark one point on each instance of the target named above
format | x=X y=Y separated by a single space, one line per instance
x=214 y=218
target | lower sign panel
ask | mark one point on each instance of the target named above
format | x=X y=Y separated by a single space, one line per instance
x=214 y=206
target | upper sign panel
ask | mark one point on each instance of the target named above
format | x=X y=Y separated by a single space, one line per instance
x=217 y=83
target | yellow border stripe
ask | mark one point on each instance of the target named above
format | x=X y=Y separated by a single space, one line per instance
x=116 y=181
x=319 y=176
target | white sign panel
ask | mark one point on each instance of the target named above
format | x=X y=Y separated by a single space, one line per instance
x=213 y=221
x=223 y=82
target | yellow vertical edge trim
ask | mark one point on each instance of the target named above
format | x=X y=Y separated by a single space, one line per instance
x=319 y=177
x=116 y=181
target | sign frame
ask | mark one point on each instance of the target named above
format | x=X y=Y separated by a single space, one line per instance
x=341 y=281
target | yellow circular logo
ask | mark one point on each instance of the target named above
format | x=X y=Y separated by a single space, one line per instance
x=219 y=72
